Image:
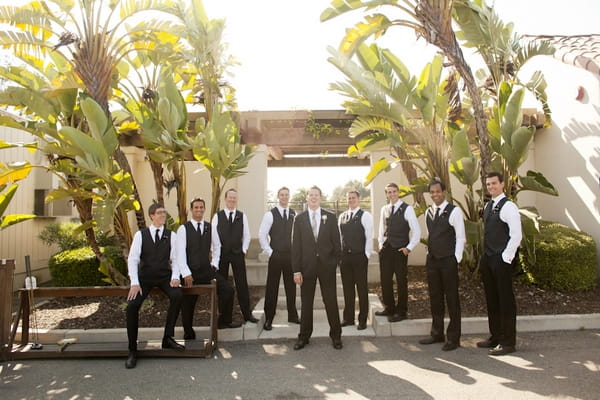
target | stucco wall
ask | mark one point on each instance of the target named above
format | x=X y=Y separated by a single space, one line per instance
x=568 y=153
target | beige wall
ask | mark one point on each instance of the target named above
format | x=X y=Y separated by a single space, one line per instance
x=568 y=153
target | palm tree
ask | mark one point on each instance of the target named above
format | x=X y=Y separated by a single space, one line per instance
x=86 y=39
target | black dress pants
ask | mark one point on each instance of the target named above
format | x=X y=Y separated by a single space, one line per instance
x=327 y=282
x=394 y=262
x=133 y=307
x=442 y=281
x=238 y=265
x=280 y=263
x=354 y=274
x=224 y=297
x=500 y=298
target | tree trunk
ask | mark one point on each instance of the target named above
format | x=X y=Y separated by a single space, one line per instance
x=179 y=176
x=157 y=173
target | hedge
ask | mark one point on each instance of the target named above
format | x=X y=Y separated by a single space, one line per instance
x=565 y=258
x=79 y=267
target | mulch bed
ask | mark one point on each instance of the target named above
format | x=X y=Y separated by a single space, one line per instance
x=109 y=312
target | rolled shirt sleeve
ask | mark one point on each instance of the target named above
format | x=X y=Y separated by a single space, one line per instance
x=263 y=233
x=415 y=229
x=509 y=214
x=181 y=246
x=458 y=223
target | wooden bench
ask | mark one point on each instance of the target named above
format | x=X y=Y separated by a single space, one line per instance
x=197 y=348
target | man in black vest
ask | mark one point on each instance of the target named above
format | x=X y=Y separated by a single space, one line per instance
x=193 y=258
x=152 y=263
x=316 y=253
x=397 y=221
x=230 y=241
x=445 y=245
x=501 y=238
x=356 y=227
x=277 y=225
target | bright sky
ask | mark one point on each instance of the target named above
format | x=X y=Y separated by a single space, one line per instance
x=281 y=45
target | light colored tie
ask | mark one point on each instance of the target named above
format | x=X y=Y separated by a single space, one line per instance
x=313 y=223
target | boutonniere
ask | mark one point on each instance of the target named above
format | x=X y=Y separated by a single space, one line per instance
x=323 y=219
x=445 y=213
x=496 y=209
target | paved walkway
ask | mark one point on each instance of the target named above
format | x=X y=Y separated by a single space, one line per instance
x=558 y=364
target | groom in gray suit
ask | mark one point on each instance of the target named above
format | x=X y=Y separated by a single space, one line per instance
x=316 y=252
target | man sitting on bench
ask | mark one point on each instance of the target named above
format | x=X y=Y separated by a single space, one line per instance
x=152 y=263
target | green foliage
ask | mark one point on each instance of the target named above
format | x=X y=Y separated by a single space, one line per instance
x=8 y=174
x=565 y=258
x=69 y=236
x=79 y=267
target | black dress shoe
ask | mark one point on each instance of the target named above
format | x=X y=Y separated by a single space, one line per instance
x=487 y=344
x=268 y=325
x=361 y=327
x=131 y=360
x=169 y=343
x=337 y=344
x=448 y=346
x=347 y=323
x=300 y=343
x=190 y=335
x=383 y=313
x=396 y=318
x=432 y=340
x=501 y=350
x=229 y=325
x=252 y=318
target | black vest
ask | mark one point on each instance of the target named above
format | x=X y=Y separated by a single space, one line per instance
x=495 y=237
x=281 y=231
x=353 y=233
x=230 y=234
x=155 y=257
x=197 y=245
x=442 y=237
x=397 y=228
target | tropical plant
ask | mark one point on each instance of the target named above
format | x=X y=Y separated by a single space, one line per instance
x=9 y=174
x=218 y=146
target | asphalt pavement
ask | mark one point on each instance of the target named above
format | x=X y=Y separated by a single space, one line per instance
x=554 y=364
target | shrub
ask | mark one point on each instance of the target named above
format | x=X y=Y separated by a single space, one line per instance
x=565 y=258
x=79 y=267
x=64 y=235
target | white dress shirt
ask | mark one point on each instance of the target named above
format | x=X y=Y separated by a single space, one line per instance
x=456 y=220
x=509 y=214
x=367 y=222
x=265 y=227
x=409 y=216
x=216 y=241
x=181 y=243
x=135 y=253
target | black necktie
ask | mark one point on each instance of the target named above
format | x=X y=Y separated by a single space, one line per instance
x=392 y=213
x=437 y=213
x=231 y=217
x=156 y=236
x=285 y=214
x=199 y=224
x=351 y=216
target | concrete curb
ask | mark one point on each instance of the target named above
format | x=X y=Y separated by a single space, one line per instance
x=377 y=326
